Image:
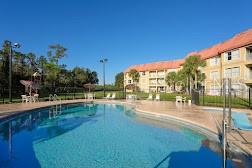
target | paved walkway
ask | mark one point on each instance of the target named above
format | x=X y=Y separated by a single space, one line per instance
x=192 y=114
x=9 y=109
x=198 y=116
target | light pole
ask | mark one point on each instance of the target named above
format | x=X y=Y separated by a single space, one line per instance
x=16 y=45
x=104 y=61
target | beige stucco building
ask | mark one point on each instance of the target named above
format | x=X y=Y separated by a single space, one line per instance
x=229 y=59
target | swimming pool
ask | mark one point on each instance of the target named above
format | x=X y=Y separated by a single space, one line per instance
x=102 y=135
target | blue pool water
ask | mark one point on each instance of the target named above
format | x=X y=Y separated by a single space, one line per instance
x=99 y=135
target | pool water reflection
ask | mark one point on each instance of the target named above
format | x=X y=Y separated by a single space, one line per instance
x=99 y=135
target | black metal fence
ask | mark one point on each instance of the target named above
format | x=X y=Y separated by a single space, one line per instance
x=239 y=98
x=65 y=93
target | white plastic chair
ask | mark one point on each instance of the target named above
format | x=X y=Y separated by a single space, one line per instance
x=36 y=97
x=24 y=99
x=178 y=99
x=183 y=99
x=150 y=97
x=157 y=97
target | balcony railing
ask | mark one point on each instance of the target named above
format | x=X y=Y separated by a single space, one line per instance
x=249 y=57
x=248 y=76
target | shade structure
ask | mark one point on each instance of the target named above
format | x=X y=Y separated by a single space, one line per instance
x=89 y=86
x=29 y=86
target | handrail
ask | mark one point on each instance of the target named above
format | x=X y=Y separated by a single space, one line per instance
x=54 y=97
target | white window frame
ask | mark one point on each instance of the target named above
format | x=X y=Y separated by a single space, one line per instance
x=215 y=77
x=232 y=74
x=234 y=55
x=215 y=61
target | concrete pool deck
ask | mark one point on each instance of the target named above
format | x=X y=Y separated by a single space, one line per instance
x=196 y=115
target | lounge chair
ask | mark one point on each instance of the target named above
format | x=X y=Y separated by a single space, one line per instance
x=108 y=96
x=241 y=121
x=113 y=96
x=178 y=99
x=24 y=99
x=157 y=97
x=150 y=97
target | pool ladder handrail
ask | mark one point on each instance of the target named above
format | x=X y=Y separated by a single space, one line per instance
x=55 y=98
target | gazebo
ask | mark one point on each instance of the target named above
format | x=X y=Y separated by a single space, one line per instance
x=89 y=86
x=32 y=86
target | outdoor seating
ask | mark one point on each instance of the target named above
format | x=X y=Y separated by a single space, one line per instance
x=113 y=96
x=178 y=99
x=108 y=96
x=157 y=97
x=150 y=97
x=24 y=99
x=90 y=96
x=184 y=99
x=36 y=97
x=241 y=121
x=131 y=97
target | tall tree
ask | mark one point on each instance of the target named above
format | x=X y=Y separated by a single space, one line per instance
x=171 y=79
x=119 y=80
x=5 y=63
x=191 y=68
x=42 y=61
x=55 y=53
x=134 y=74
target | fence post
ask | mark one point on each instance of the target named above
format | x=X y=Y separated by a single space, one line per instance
x=249 y=97
x=203 y=97
x=74 y=93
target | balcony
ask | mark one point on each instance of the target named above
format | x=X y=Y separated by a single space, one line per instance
x=248 y=61
x=153 y=75
x=248 y=78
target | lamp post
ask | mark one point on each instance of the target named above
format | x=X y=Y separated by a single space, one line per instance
x=16 y=45
x=104 y=61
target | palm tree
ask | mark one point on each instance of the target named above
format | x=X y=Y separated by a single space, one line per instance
x=171 y=79
x=191 y=69
x=134 y=74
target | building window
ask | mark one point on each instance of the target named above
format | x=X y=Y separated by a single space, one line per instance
x=161 y=81
x=161 y=74
x=215 y=61
x=162 y=89
x=129 y=81
x=143 y=73
x=215 y=75
x=232 y=55
x=236 y=72
x=232 y=72
x=153 y=81
x=152 y=74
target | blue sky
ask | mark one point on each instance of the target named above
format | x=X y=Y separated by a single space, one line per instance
x=124 y=31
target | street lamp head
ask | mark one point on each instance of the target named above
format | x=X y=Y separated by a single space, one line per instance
x=104 y=60
x=17 y=45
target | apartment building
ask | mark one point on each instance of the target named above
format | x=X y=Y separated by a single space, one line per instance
x=152 y=75
x=229 y=59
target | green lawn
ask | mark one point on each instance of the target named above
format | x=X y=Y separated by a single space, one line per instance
x=217 y=101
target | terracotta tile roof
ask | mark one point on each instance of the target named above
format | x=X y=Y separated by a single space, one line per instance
x=156 y=66
x=239 y=40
